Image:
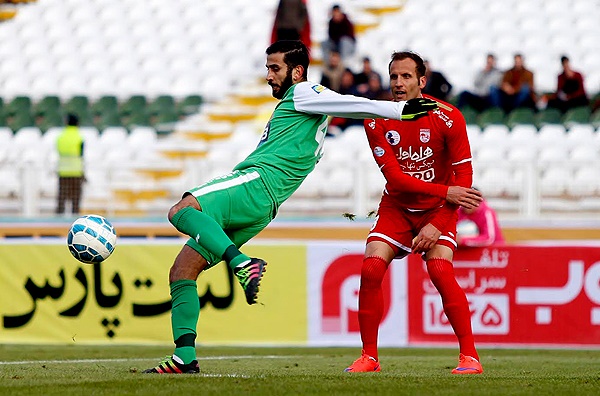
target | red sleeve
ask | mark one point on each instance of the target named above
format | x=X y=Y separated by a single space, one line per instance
x=397 y=181
x=462 y=166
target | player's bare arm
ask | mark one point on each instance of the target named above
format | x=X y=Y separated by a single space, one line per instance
x=425 y=239
x=468 y=198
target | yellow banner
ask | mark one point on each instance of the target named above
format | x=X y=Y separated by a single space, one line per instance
x=46 y=296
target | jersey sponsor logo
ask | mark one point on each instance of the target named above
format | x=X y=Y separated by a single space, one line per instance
x=424 y=135
x=422 y=154
x=371 y=124
x=392 y=137
x=378 y=151
x=444 y=117
x=318 y=88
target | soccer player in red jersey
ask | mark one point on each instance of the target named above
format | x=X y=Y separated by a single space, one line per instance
x=417 y=219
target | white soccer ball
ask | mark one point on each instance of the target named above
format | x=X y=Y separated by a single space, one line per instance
x=91 y=239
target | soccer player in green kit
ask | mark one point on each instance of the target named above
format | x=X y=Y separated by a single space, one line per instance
x=224 y=213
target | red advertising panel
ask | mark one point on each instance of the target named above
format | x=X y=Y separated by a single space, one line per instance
x=517 y=295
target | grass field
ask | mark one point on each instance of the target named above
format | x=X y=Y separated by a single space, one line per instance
x=116 y=370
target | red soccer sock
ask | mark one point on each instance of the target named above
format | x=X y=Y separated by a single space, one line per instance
x=454 y=301
x=370 y=302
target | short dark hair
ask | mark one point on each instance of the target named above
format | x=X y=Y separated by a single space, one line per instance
x=401 y=55
x=564 y=58
x=294 y=53
x=72 y=119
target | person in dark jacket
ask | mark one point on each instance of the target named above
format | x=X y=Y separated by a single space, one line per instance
x=340 y=35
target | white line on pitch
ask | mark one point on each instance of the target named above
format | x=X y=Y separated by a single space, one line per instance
x=139 y=359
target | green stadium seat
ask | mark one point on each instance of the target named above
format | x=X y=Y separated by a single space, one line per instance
x=19 y=104
x=595 y=118
x=106 y=104
x=162 y=104
x=491 y=116
x=577 y=115
x=109 y=119
x=20 y=121
x=47 y=104
x=77 y=104
x=548 y=116
x=470 y=115
x=189 y=105
x=135 y=104
x=50 y=119
x=137 y=119
x=520 y=116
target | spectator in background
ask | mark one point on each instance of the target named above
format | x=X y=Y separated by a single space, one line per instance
x=486 y=79
x=347 y=85
x=361 y=79
x=333 y=70
x=69 y=145
x=437 y=85
x=485 y=219
x=375 y=89
x=340 y=35
x=570 y=91
x=291 y=22
x=516 y=88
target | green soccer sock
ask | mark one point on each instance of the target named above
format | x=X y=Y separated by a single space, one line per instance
x=184 y=318
x=208 y=234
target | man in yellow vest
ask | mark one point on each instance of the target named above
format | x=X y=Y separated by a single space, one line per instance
x=70 y=165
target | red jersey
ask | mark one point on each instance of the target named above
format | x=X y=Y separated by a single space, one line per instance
x=434 y=149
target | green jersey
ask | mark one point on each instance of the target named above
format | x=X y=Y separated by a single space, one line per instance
x=292 y=141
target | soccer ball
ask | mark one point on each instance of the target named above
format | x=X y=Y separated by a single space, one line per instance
x=91 y=239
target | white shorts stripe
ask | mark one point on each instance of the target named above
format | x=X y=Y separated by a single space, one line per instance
x=390 y=240
x=452 y=241
x=236 y=181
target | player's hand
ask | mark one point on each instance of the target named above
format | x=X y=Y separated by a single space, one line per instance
x=426 y=239
x=468 y=198
x=417 y=108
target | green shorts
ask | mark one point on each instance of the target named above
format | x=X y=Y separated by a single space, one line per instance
x=239 y=202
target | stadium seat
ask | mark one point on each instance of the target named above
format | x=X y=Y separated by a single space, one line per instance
x=595 y=119
x=492 y=116
x=584 y=153
x=552 y=135
x=548 y=116
x=495 y=136
x=554 y=180
x=107 y=104
x=48 y=103
x=470 y=115
x=584 y=182
x=581 y=134
x=548 y=155
x=520 y=116
x=578 y=115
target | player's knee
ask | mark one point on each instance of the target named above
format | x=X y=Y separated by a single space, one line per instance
x=372 y=271
x=185 y=202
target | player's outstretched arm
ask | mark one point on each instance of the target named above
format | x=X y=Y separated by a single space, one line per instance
x=316 y=99
x=468 y=198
